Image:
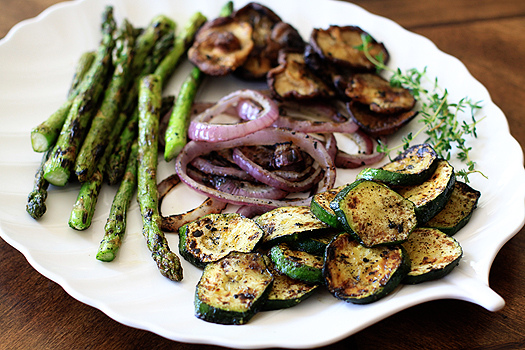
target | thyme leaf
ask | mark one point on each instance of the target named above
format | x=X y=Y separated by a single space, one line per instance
x=439 y=116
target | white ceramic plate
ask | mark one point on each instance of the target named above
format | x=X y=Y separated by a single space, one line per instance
x=37 y=61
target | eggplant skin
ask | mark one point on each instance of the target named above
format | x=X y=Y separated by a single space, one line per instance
x=221 y=46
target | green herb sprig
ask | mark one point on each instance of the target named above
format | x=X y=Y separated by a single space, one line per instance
x=439 y=116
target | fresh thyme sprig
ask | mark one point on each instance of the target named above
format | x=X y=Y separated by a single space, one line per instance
x=442 y=126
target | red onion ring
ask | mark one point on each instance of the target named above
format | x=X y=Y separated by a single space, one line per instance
x=200 y=128
x=266 y=136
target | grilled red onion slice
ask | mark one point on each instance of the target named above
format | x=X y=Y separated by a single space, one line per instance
x=201 y=128
x=172 y=223
x=367 y=155
x=272 y=179
x=266 y=136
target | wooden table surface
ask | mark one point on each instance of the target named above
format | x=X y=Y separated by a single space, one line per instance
x=489 y=37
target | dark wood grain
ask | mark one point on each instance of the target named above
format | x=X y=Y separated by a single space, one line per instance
x=489 y=37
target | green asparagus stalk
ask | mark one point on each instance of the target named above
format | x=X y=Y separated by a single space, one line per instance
x=97 y=137
x=166 y=68
x=150 y=100
x=84 y=207
x=227 y=9
x=115 y=227
x=176 y=132
x=58 y=168
x=36 y=206
x=44 y=136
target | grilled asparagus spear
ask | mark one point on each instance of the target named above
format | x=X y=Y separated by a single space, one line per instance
x=58 y=168
x=150 y=100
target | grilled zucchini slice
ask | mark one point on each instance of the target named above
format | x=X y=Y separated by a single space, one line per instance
x=315 y=245
x=320 y=206
x=433 y=254
x=458 y=210
x=431 y=196
x=214 y=236
x=361 y=275
x=374 y=214
x=233 y=289
x=297 y=264
x=415 y=165
x=286 y=292
x=287 y=224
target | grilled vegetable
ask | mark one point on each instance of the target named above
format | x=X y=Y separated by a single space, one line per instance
x=378 y=124
x=431 y=196
x=360 y=275
x=285 y=291
x=433 y=254
x=270 y=35
x=374 y=214
x=316 y=244
x=372 y=90
x=221 y=46
x=36 y=199
x=340 y=46
x=286 y=224
x=214 y=236
x=457 y=211
x=292 y=79
x=415 y=165
x=320 y=206
x=233 y=289
x=297 y=264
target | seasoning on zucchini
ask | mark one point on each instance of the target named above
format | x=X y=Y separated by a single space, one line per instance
x=286 y=224
x=457 y=211
x=431 y=196
x=433 y=255
x=315 y=245
x=214 y=236
x=297 y=264
x=233 y=289
x=374 y=214
x=320 y=206
x=415 y=165
x=286 y=292
x=361 y=275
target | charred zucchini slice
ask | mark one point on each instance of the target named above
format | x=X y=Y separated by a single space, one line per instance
x=214 y=236
x=285 y=291
x=233 y=289
x=287 y=224
x=431 y=196
x=433 y=254
x=415 y=165
x=316 y=244
x=297 y=264
x=320 y=206
x=360 y=275
x=458 y=210
x=339 y=45
x=374 y=214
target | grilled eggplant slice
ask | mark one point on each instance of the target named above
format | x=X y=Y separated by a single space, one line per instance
x=361 y=275
x=292 y=79
x=432 y=195
x=372 y=90
x=286 y=292
x=270 y=34
x=378 y=124
x=374 y=214
x=233 y=289
x=339 y=45
x=214 y=236
x=287 y=224
x=221 y=46
x=433 y=254
x=297 y=264
x=458 y=210
x=412 y=167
